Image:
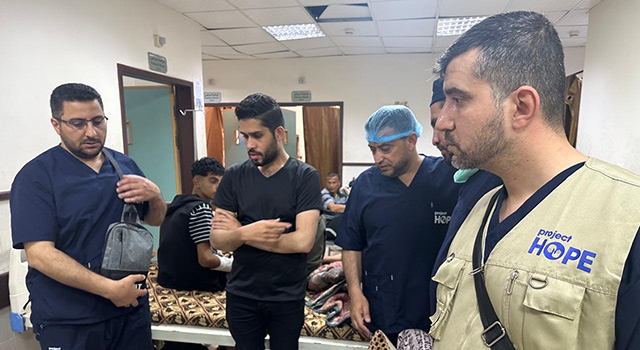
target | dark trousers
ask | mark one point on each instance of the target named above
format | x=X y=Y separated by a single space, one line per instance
x=250 y=320
x=130 y=331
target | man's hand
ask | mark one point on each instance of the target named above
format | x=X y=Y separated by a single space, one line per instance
x=267 y=231
x=225 y=220
x=123 y=292
x=134 y=188
x=360 y=312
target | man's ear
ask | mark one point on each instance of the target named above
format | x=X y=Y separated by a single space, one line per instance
x=412 y=139
x=279 y=132
x=525 y=106
x=56 y=125
x=196 y=182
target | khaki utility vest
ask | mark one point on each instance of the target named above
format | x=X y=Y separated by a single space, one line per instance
x=553 y=279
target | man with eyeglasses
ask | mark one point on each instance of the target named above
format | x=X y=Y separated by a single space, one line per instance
x=62 y=203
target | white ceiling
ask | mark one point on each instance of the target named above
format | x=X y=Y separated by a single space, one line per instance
x=232 y=29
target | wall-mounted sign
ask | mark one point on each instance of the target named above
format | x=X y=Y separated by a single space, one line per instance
x=157 y=63
x=212 y=97
x=301 y=96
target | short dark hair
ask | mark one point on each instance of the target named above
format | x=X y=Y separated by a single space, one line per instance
x=72 y=92
x=205 y=166
x=330 y=175
x=516 y=49
x=262 y=107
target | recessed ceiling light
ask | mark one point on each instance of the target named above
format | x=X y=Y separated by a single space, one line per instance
x=294 y=31
x=449 y=26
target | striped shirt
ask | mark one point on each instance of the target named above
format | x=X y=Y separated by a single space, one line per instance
x=200 y=223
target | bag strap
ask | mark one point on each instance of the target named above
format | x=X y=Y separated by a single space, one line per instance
x=129 y=212
x=494 y=335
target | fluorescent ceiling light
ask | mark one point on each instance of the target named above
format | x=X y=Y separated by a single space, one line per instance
x=456 y=25
x=294 y=31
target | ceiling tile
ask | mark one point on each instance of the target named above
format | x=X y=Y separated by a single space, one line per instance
x=345 y=11
x=575 y=18
x=198 y=5
x=563 y=31
x=307 y=44
x=403 y=9
x=221 y=19
x=209 y=39
x=260 y=48
x=285 y=54
x=542 y=5
x=208 y=57
x=362 y=50
x=414 y=41
x=244 y=36
x=587 y=4
x=408 y=49
x=460 y=8
x=236 y=56
x=359 y=28
x=554 y=16
x=362 y=41
x=218 y=50
x=280 y=16
x=407 y=27
x=257 y=4
x=574 y=42
x=445 y=41
x=327 y=51
x=328 y=2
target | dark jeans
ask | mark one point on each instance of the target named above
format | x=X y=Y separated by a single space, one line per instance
x=130 y=331
x=250 y=320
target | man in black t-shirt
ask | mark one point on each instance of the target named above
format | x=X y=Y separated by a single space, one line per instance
x=276 y=200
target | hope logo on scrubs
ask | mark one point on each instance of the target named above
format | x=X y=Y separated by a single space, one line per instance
x=544 y=244
x=441 y=217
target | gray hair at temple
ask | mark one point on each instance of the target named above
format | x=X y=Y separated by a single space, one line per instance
x=516 y=49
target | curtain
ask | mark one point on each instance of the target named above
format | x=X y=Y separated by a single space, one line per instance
x=215 y=133
x=322 y=138
x=572 y=107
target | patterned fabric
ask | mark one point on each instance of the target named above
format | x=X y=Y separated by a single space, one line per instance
x=206 y=309
x=414 y=339
x=379 y=341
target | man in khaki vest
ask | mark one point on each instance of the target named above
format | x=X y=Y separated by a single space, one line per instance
x=558 y=252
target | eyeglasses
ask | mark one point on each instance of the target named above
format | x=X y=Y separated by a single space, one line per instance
x=80 y=124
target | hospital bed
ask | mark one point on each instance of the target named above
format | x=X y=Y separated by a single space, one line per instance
x=189 y=317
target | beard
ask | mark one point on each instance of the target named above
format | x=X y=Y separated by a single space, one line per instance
x=78 y=151
x=269 y=155
x=488 y=143
x=401 y=166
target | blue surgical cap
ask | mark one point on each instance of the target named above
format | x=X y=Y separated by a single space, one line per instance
x=391 y=123
x=438 y=93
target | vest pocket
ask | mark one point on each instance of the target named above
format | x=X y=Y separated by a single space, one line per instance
x=552 y=307
x=448 y=278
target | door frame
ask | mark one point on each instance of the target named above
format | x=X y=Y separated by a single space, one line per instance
x=183 y=94
x=304 y=104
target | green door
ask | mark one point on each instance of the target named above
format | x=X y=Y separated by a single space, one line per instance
x=150 y=135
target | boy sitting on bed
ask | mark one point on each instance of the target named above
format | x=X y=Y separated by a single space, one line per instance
x=185 y=258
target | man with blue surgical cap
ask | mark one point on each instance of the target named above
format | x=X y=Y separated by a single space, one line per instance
x=392 y=228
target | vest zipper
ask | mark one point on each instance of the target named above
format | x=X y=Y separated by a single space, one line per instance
x=512 y=280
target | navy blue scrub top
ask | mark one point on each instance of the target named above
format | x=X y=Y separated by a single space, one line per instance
x=627 y=317
x=399 y=230
x=55 y=197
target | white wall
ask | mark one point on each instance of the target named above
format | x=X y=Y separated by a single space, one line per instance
x=609 y=111
x=47 y=43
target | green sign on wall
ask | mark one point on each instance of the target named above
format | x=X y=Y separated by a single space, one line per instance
x=157 y=63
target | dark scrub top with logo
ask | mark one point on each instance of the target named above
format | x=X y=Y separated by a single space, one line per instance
x=399 y=230
x=258 y=274
x=55 y=197
x=627 y=322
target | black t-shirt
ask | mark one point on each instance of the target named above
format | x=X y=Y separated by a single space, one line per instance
x=295 y=188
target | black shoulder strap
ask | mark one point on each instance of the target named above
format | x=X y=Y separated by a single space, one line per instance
x=494 y=335
x=113 y=162
x=129 y=212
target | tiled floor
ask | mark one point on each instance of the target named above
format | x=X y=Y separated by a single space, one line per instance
x=15 y=341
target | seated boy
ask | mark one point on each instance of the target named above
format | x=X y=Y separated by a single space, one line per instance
x=185 y=258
